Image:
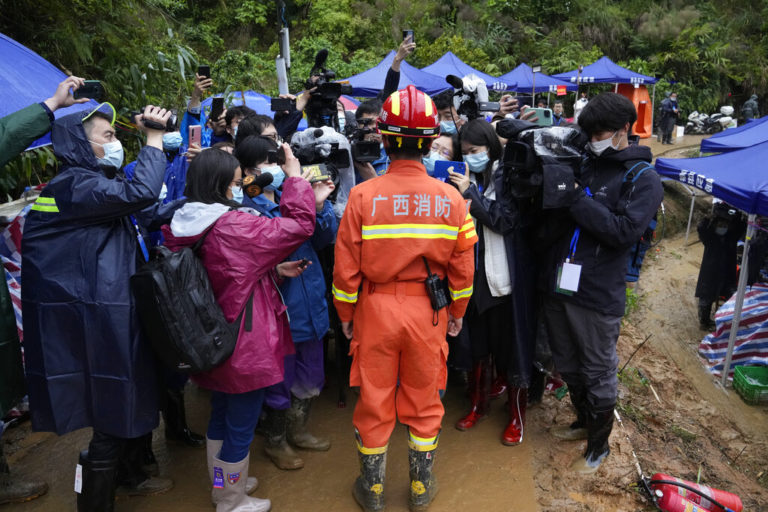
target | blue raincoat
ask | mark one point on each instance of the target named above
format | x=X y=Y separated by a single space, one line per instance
x=87 y=362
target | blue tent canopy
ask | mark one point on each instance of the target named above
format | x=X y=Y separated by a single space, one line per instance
x=370 y=83
x=732 y=139
x=740 y=178
x=523 y=76
x=605 y=71
x=261 y=103
x=28 y=78
x=450 y=64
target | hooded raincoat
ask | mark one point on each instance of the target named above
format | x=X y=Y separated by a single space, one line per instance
x=87 y=362
x=240 y=253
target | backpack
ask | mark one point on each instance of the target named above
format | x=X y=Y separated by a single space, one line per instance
x=179 y=312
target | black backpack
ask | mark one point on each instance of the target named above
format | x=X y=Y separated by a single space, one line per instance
x=179 y=313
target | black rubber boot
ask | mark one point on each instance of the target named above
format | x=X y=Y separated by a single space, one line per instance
x=599 y=426
x=274 y=427
x=705 y=315
x=175 y=417
x=423 y=482
x=99 y=482
x=577 y=430
x=16 y=490
x=298 y=435
x=369 y=486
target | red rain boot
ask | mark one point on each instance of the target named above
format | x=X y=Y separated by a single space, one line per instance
x=498 y=388
x=479 y=387
x=518 y=399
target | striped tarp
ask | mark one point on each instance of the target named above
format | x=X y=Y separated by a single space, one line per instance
x=10 y=255
x=751 y=346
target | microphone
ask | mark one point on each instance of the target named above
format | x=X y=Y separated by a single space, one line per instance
x=254 y=185
x=455 y=81
x=320 y=58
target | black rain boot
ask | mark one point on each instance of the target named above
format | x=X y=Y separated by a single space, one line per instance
x=98 y=486
x=537 y=387
x=175 y=417
x=149 y=463
x=16 y=490
x=421 y=460
x=577 y=430
x=274 y=425
x=705 y=315
x=599 y=426
x=132 y=480
x=368 y=489
x=297 y=432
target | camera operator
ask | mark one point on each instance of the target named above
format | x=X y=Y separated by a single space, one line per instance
x=615 y=196
x=366 y=117
x=79 y=251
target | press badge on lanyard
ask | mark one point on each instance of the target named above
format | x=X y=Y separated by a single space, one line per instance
x=569 y=273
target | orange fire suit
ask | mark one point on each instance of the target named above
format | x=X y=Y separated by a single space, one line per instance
x=398 y=346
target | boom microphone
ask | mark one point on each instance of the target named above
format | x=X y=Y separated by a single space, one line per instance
x=455 y=81
x=320 y=59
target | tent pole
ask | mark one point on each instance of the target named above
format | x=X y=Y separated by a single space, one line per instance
x=690 y=215
x=616 y=87
x=653 y=108
x=739 y=297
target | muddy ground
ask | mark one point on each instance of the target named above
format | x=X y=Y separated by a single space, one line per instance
x=694 y=426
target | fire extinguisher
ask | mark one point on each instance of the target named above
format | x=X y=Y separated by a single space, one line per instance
x=679 y=495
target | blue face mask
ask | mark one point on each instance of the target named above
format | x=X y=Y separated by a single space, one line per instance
x=237 y=193
x=429 y=161
x=113 y=154
x=342 y=121
x=447 y=127
x=277 y=176
x=477 y=162
x=172 y=141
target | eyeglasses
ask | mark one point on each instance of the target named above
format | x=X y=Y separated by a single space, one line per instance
x=446 y=153
x=366 y=122
x=275 y=137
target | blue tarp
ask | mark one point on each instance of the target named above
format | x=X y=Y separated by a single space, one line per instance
x=740 y=178
x=450 y=64
x=369 y=83
x=255 y=100
x=605 y=71
x=744 y=136
x=28 y=78
x=523 y=76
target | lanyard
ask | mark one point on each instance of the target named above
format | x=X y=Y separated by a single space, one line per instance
x=576 y=234
x=140 y=238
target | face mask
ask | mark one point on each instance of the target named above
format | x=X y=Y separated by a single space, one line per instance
x=234 y=133
x=113 y=154
x=172 y=141
x=721 y=230
x=429 y=161
x=477 y=162
x=163 y=193
x=447 y=127
x=237 y=193
x=277 y=176
x=342 y=121
x=600 y=146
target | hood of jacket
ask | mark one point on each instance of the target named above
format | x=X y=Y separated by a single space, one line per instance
x=70 y=143
x=192 y=219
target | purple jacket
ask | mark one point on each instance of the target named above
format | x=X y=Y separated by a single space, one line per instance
x=240 y=254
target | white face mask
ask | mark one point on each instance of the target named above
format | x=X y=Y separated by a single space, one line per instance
x=113 y=154
x=600 y=146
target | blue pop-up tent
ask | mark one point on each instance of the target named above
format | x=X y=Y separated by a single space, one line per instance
x=450 y=64
x=732 y=139
x=370 y=83
x=605 y=71
x=28 y=78
x=740 y=178
x=523 y=75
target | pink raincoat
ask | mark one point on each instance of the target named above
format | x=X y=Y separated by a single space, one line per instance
x=240 y=254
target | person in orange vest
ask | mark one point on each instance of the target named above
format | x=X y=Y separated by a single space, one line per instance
x=396 y=231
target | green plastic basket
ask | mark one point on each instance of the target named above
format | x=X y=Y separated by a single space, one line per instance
x=751 y=382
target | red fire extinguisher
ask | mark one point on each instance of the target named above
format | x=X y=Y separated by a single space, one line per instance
x=680 y=495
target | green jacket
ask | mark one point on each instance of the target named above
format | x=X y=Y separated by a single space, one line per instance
x=17 y=131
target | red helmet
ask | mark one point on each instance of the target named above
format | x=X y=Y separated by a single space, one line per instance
x=409 y=113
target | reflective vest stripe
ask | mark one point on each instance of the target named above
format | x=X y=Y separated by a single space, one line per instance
x=461 y=294
x=343 y=296
x=470 y=234
x=45 y=204
x=467 y=226
x=410 y=231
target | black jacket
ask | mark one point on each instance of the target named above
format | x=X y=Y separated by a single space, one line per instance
x=717 y=275
x=611 y=222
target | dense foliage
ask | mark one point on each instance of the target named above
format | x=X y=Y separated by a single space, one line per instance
x=713 y=51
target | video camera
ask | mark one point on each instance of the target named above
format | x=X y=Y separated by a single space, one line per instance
x=170 y=125
x=540 y=163
x=471 y=96
x=321 y=108
x=364 y=150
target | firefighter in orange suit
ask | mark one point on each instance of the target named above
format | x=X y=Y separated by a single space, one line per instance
x=394 y=227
